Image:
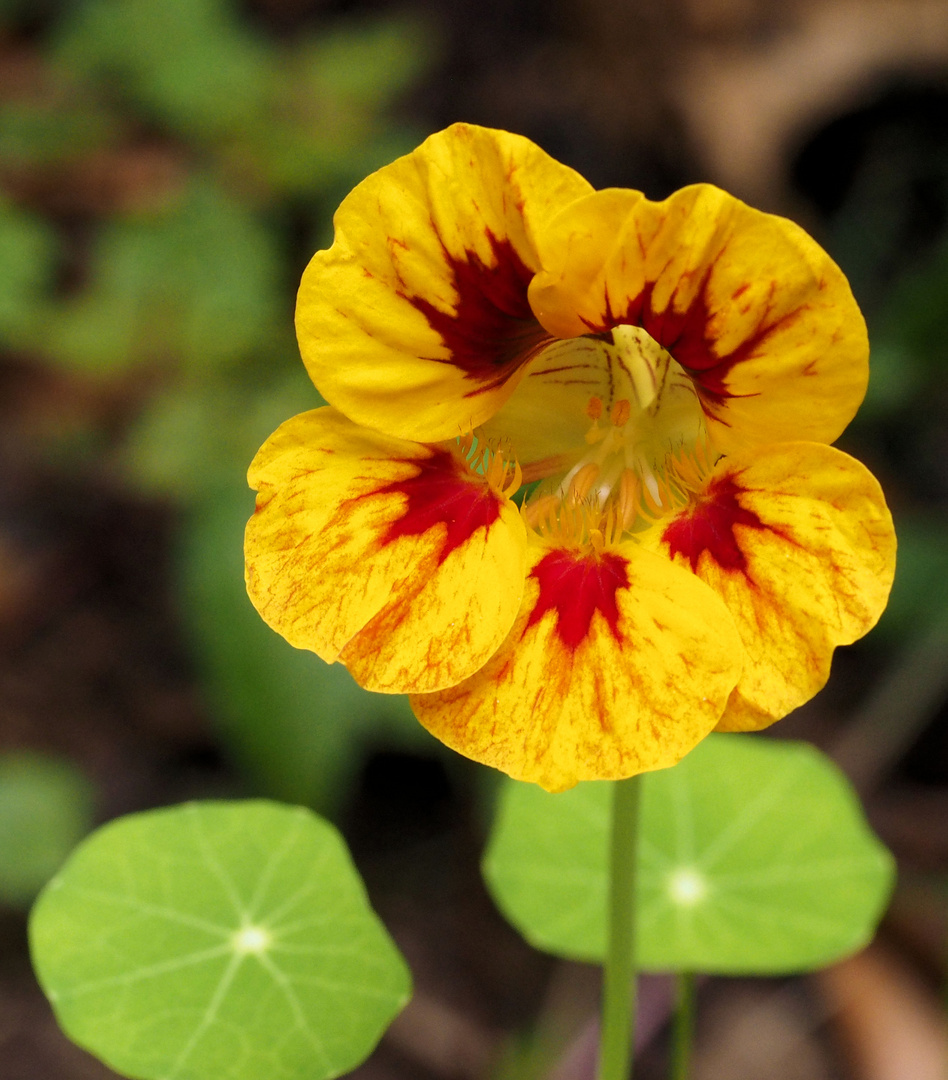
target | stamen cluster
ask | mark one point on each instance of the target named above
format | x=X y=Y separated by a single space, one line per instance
x=614 y=490
x=501 y=472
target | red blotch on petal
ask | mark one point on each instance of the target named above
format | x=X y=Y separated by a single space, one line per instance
x=575 y=586
x=709 y=526
x=492 y=330
x=687 y=335
x=442 y=492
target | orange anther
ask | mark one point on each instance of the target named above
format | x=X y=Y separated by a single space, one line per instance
x=583 y=481
x=621 y=411
x=628 y=501
x=594 y=408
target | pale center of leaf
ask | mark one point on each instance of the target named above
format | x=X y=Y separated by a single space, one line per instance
x=687 y=887
x=251 y=939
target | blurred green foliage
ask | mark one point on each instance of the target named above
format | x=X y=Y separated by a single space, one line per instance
x=287 y=118
x=63 y=124
x=194 y=285
x=28 y=252
x=179 y=165
x=45 y=810
x=887 y=238
x=188 y=64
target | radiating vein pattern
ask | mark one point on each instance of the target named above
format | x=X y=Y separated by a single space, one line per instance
x=217 y=941
x=754 y=857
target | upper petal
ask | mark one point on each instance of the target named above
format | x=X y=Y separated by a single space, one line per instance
x=798 y=542
x=616 y=664
x=751 y=307
x=416 y=320
x=389 y=555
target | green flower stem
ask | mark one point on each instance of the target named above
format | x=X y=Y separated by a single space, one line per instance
x=618 y=984
x=683 y=1033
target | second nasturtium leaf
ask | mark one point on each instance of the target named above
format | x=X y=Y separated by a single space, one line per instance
x=754 y=858
x=217 y=941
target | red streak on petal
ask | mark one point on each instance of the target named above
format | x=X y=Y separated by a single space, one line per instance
x=575 y=586
x=442 y=492
x=710 y=525
x=492 y=330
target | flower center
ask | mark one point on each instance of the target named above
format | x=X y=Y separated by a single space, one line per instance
x=644 y=453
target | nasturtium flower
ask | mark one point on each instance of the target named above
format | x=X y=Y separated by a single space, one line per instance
x=574 y=490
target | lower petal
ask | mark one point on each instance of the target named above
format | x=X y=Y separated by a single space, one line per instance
x=798 y=542
x=617 y=664
x=389 y=555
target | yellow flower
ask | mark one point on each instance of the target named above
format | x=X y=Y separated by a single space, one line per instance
x=666 y=377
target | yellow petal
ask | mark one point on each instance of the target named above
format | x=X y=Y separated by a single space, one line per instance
x=798 y=542
x=391 y=556
x=616 y=664
x=753 y=309
x=416 y=320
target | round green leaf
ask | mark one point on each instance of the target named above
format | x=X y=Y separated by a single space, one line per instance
x=754 y=858
x=217 y=941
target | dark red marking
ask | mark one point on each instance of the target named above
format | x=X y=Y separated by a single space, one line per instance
x=575 y=586
x=685 y=336
x=441 y=493
x=710 y=525
x=492 y=330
